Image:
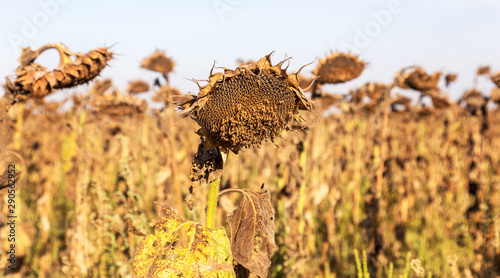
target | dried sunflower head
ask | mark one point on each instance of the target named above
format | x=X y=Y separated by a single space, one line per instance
x=474 y=99
x=495 y=78
x=495 y=95
x=137 y=87
x=338 y=68
x=450 y=78
x=417 y=79
x=158 y=62
x=243 y=107
x=33 y=80
x=483 y=70
x=372 y=90
x=438 y=100
x=165 y=93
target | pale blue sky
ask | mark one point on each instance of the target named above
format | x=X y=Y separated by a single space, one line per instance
x=447 y=35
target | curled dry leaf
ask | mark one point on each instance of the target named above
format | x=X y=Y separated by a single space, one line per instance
x=161 y=253
x=252 y=230
x=338 y=68
x=33 y=80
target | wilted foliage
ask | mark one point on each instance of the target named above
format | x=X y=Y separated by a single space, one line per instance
x=415 y=189
x=252 y=230
x=178 y=248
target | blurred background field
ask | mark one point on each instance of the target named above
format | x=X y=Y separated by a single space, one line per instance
x=393 y=181
x=425 y=195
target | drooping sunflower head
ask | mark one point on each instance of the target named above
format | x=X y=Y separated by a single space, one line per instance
x=338 y=68
x=243 y=107
x=417 y=79
x=158 y=62
x=495 y=78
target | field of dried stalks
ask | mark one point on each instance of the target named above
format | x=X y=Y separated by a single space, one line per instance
x=90 y=177
x=411 y=193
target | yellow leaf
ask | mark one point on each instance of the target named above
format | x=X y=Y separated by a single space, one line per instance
x=175 y=248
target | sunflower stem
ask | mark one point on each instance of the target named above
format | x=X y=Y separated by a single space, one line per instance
x=213 y=195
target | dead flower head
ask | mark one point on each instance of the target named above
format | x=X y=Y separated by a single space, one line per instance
x=495 y=78
x=483 y=70
x=243 y=107
x=450 y=78
x=417 y=79
x=33 y=80
x=137 y=87
x=165 y=93
x=338 y=68
x=158 y=62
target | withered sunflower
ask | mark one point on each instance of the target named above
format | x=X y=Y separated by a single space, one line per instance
x=338 y=68
x=241 y=108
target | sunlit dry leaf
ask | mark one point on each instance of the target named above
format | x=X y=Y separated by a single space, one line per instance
x=161 y=253
x=252 y=230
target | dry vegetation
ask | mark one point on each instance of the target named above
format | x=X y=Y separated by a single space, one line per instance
x=377 y=189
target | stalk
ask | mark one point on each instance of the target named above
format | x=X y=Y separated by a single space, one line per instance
x=213 y=194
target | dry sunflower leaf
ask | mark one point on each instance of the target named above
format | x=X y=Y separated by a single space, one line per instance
x=161 y=253
x=252 y=230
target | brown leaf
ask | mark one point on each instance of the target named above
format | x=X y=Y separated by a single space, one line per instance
x=252 y=230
